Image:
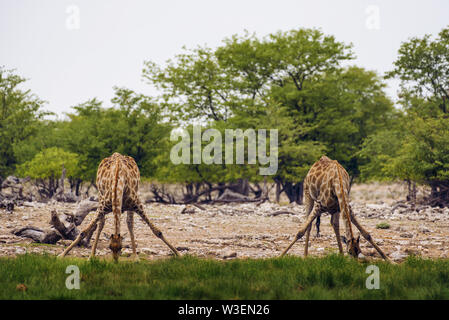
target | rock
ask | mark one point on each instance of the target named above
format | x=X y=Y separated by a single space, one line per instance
x=424 y=229
x=296 y=219
x=406 y=235
x=20 y=251
x=188 y=209
x=412 y=252
x=397 y=255
x=148 y=251
x=230 y=254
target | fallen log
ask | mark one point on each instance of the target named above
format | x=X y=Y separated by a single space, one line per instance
x=50 y=236
x=63 y=226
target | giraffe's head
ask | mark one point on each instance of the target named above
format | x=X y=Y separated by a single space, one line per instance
x=116 y=246
x=353 y=246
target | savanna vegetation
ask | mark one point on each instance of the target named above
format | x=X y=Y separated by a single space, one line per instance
x=301 y=82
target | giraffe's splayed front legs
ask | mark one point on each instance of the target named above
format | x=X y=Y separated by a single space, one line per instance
x=368 y=237
x=130 y=222
x=335 y=222
x=303 y=229
x=97 y=237
x=85 y=232
x=156 y=231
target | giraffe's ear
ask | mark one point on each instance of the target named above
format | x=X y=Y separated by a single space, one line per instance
x=343 y=238
x=358 y=239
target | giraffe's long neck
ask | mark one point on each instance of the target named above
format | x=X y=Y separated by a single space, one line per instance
x=343 y=200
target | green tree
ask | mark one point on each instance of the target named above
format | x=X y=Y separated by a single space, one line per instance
x=46 y=169
x=423 y=67
x=291 y=81
x=20 y=111
x=416 y=149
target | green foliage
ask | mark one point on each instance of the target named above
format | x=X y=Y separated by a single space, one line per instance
x=49 y=163
x=423 y=67
x=416 y=148
x=291 y=81
x=383 y=225
x=132 y=127
x=20 y=111
x=330 y=277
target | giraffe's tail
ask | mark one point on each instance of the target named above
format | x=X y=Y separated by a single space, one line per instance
x=117 y=196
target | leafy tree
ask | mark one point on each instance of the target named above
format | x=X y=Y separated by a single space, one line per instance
x=291 y=81
x=423 y=67
x=416 y=149
x=47 y=166
x=20 y=111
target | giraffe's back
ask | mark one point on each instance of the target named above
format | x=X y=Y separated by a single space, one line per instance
x=127 y=175
x=322 y=183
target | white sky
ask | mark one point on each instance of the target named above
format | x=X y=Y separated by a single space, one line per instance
x=67 y=67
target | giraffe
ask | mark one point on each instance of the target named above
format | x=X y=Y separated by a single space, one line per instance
x=118 y=182
x=326 y=189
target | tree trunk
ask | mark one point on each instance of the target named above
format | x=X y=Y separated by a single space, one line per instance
x=78 y=186
x=278 y=191
x=294 y=192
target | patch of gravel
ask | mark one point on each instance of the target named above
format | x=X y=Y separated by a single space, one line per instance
x=227 y=231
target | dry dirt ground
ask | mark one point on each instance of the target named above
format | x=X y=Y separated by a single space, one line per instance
x=225 y=231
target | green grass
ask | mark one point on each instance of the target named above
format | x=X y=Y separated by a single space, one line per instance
x=383 y=225
x=331 y=277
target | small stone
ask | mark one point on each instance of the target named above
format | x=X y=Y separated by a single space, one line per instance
x=397 y=255
x=296 y=219
x=147 y=251
x=406 y=235
x=424 y=229
x=230 y=254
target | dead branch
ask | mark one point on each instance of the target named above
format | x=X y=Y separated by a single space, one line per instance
x=274 y=214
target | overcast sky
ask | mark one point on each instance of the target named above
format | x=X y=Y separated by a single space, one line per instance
x=76 y=50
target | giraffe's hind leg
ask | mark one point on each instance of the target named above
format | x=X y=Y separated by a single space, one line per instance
x=156 y=231
x=315 y=212
x=100 y=228
x=100 y=213
x=306 y=246
x=367 y=236
x=130 y=222
x=335 y=221
x=317 y=224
